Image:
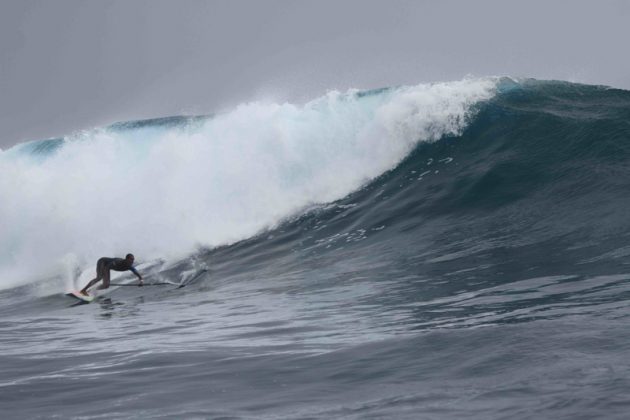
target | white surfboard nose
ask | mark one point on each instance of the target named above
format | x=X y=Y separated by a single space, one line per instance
x=77 y=294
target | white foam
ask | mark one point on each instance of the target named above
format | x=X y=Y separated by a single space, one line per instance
x=161 y=192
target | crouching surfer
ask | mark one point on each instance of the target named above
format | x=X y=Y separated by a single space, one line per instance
x=103 y=267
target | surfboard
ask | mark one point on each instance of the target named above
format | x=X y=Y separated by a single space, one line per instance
x=78 y=295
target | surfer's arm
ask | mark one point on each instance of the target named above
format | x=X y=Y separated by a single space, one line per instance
x=134 y=271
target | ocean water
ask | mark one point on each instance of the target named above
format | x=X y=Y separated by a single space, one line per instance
x=443 y=251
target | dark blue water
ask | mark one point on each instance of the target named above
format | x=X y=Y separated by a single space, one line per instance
x=486 y=276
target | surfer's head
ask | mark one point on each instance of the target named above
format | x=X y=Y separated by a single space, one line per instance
x=129 y=257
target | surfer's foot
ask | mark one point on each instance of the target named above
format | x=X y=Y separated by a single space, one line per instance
x=84 y=293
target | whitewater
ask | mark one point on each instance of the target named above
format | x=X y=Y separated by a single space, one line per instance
x=444 y=250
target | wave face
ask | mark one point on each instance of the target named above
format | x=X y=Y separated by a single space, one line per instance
x=437 y=251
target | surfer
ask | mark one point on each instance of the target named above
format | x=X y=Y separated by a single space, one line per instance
x=103 y=267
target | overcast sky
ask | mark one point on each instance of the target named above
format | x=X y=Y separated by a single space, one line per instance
x=68 y=65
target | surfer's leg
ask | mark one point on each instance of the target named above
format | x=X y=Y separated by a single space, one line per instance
x=90 y=284
x=105 y=284
x=100 y=271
